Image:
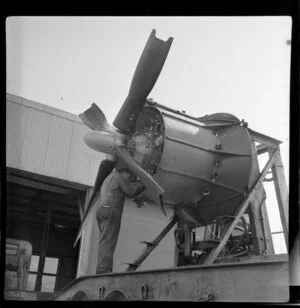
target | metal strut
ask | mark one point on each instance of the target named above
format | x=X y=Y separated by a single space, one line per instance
x=241 y=210
x=150 y=246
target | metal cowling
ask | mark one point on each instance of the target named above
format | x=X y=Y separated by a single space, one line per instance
x=203 y=171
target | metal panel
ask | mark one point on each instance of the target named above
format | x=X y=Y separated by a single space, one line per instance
x=258 y=280
x=48 y=141
x=196 y=160
x=138 y=224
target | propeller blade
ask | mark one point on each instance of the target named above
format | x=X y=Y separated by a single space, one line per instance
x=147 y=71
x=105 y=168
x=155 y=190
x=95 y=119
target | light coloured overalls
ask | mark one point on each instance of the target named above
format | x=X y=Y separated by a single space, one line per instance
x=109 y=214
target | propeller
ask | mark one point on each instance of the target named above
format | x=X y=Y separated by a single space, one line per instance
x=112 y=139
x=95 y=119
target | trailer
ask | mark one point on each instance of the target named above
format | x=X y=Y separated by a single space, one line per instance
x=17 y=262
x=262 y=279
x=219 y=269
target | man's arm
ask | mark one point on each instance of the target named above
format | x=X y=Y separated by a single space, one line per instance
x=130 y=190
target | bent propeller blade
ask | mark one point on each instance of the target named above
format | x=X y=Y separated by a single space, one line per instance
x=155 y=190
x=147 y=71
x=95 y=119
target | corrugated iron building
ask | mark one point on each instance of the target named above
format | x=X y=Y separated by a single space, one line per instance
x=49 y=172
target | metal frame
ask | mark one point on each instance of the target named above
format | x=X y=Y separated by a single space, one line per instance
x=271 y=146
x=209 y=281
x=247 y=281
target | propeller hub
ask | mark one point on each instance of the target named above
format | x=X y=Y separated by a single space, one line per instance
x=140 y=148
x=100 y=142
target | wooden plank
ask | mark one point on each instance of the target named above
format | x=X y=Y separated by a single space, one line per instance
x=241 y=210
x=37 y=185
x=282 y=195
x=43 y=249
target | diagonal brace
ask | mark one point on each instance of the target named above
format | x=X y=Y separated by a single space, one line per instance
x=149 y=248
x=241 y=210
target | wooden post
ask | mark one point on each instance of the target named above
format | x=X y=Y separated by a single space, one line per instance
x=259 y=221
x=281 y=194
x=43 y=250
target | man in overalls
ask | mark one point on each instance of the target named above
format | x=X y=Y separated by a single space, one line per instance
x=114 y=189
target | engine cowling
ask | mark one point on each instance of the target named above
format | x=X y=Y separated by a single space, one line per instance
x=204 y=169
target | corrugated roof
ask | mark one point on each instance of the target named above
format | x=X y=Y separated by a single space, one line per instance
x=48 y=141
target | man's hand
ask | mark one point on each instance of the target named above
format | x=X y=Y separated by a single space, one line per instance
x=141 y=187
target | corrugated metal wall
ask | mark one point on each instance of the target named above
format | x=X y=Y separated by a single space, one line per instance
x=48 y=141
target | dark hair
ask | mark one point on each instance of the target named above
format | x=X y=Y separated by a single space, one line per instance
x=124 y=170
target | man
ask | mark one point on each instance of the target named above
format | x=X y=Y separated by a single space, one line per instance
x=109 y=213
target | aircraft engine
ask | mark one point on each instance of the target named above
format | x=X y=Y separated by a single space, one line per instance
x=203 y=169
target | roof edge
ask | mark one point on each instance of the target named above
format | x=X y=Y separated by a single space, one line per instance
x=42 y=107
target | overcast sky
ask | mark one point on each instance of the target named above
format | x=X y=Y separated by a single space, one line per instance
x=239 y=65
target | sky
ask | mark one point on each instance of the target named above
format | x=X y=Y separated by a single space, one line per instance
x=238 y=65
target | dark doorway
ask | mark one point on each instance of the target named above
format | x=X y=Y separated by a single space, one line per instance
x=49 y=220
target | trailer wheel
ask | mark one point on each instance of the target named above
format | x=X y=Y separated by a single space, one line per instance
x=79 y=296
x=116 y=296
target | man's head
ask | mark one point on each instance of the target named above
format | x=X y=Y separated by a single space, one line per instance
x=125 y=173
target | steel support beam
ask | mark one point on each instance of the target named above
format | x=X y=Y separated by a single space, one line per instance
x=281 y=194
x=265 y=140
x=241 y=210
